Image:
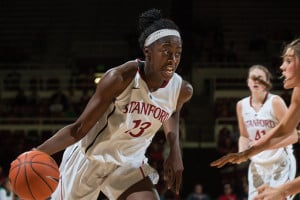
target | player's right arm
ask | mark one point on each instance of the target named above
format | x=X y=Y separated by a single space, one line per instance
x=110 y=86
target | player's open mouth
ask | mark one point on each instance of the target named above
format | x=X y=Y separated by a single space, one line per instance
x=168 y=70
x=284 y=78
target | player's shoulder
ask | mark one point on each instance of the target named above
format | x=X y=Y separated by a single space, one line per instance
x=243 y=99
x=274 y=96
x=239 y=103
x=186 y=91
x=243 y=102
x=124 y=72
x=187 y=86
x=277 y=100
x=115 y=80
x=184 y=83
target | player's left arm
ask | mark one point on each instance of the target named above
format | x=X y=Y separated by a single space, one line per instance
x=173 y=166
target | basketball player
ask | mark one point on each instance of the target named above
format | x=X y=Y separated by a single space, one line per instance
x=291 y=74
x=257 y=114
x=105 y=146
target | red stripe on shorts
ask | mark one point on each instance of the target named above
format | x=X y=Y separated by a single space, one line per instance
x=142 y=172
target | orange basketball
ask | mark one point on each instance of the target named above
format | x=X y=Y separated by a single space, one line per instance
x=34 y=175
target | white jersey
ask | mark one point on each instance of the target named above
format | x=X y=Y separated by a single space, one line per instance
x=125 y=131
x=258 y=124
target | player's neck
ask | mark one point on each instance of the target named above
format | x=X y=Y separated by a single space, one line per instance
x=259 y=99
x=152 y=82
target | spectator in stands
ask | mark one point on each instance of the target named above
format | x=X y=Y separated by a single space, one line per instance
x=198 y=193
x=226 y=142
x=228 y=193
x=244 y=190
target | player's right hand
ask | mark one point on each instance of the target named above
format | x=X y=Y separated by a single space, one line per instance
x=234 y=158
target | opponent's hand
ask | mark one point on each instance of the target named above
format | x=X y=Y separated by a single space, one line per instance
x=235 y=158
x=266 y=192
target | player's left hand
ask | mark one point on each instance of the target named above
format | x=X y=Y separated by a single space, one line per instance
x=234 y=158
x=266 y=192
x=173 y=168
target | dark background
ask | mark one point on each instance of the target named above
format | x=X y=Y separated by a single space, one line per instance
x=52 y=45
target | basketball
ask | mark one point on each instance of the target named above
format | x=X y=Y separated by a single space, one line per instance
x=34 y=175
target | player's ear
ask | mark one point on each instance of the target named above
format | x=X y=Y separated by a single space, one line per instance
x=147 y=52
x=247 y=81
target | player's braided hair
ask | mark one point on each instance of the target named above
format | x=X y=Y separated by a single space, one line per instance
x=151 y=21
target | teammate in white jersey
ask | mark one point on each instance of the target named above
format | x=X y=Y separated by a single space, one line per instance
x=105 y=146
x=257 y=114
x=290 y=68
